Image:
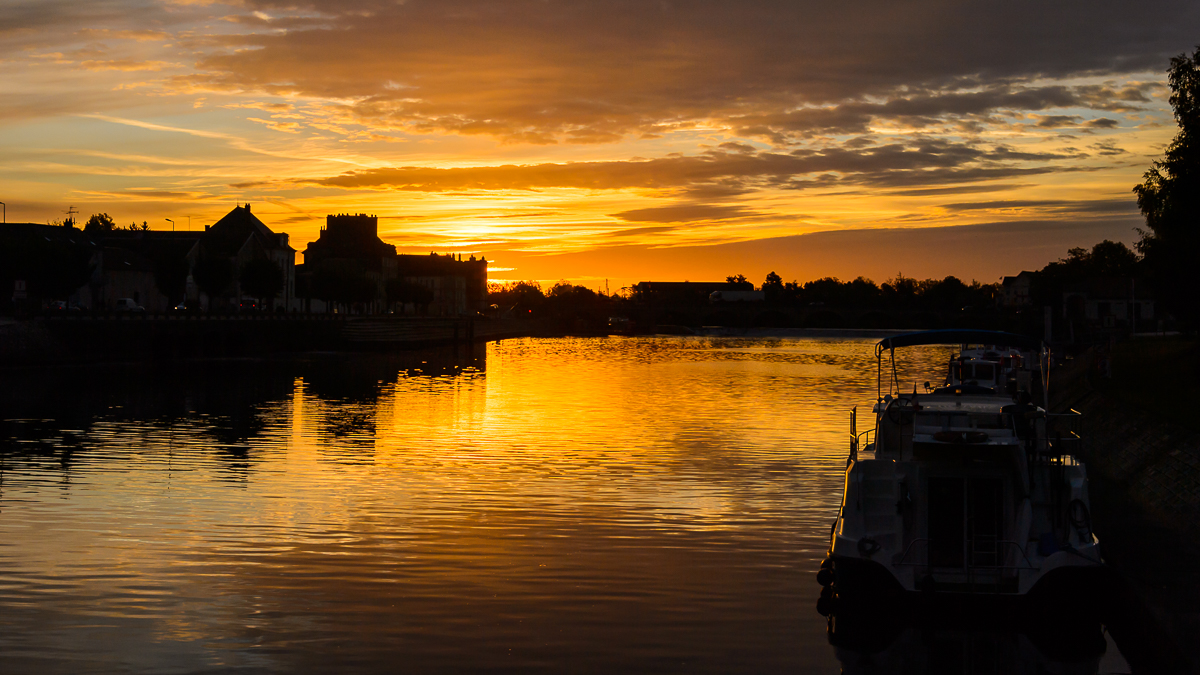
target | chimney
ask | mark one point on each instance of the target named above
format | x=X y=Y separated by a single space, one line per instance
x=247 y=207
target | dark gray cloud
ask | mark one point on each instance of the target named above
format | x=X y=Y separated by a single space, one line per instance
x=587 y=71
x=1090 y=207
x=923 y=162
x=1107 y=148
x=959 y=189
x=27 y=24
x=684 y=213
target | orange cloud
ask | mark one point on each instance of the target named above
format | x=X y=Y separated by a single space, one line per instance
x=127 y=65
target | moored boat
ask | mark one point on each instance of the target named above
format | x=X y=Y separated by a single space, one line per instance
x=964 y=491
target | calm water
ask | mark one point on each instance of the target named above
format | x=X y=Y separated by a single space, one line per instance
x=569 y=505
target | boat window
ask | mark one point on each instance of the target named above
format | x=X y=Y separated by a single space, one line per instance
x=947 y=421
x=985 y=371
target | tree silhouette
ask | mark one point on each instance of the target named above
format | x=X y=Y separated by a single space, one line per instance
x=170 y=277
x=98 y=225
x=342 y=281
x=524 y=298
x=262 y=279
x=1108 y=259
x=213 y=274
x=773 y=287
x=404 y=292
x=1169 y=198
x=739 y=282
x=902 y=290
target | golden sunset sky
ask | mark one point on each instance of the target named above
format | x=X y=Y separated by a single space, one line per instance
x=593 y=140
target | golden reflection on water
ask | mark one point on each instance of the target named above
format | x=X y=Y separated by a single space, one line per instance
x=591 y=504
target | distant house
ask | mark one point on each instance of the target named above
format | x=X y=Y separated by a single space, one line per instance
x=150 y=266
x=126 y=274
x=458 y=286
x=159 y=269
x=45 y=263
x=1110 y=303
x=1015 y=290
x=683 y=292
x=155 y=269
x=238 y=238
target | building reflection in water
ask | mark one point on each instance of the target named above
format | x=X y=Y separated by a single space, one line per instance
x=228 y=406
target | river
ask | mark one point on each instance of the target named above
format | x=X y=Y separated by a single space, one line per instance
x=533 y=505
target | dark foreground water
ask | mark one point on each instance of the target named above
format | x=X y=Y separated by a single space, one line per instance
x=571 y=505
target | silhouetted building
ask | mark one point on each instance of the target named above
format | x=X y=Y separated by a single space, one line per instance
x=458 y=286
x=47 y=263
x=135 y=264
x=350 y=237
x=1015 y=290
x=240 y=237
x=681 y=292
x=350 y=245
x=1109 y=303
x=149 y=265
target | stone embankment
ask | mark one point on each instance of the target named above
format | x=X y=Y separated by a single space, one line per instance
x=84 y=339
x=1144 y=475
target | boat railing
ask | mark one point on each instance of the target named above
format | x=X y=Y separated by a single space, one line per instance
x=864 y=439
x=968 y=564
x=1063 y=440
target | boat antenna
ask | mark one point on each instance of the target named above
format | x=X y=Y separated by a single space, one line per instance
x=878 y=372
x=1046 y=377
x=895 y=377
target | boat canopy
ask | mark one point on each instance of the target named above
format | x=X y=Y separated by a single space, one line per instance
x=952 y=336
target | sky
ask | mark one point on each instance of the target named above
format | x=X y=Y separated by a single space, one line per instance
x=604 y=141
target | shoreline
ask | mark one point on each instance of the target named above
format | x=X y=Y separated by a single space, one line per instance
x=71 y=340
x=1144 y=474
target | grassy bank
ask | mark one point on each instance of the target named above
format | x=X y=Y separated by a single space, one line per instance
x=1156 y=375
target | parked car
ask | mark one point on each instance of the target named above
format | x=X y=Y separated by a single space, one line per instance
x=57 y=306
x=127 y=305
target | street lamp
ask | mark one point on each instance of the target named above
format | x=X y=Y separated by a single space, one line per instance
x=5 y=212
x=172 y=223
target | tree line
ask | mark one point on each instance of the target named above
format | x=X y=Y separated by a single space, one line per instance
x=900 y=292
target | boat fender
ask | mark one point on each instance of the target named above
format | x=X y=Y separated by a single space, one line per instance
x=825 y=577
x=825 y=603
x=927 y=584
x=868 y=547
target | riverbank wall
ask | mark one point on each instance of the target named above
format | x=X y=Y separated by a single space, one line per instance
x=90 y=339
x=1144 y=480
